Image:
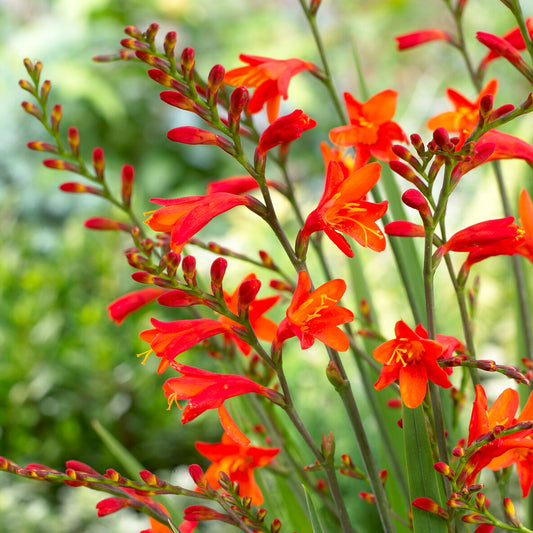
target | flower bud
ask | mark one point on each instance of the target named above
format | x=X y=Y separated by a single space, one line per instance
x=45 y=90
x=417 y=143
x=187 y=62
x=247 y=292
x=404 y=228
x=275 y=525
x=414 y=199
x=214 y=81
x=335 y=377
x=32 y=110
x=218 y=270
x=403 y=153
x=99 y=163
x=427 y=504
x=328 y=447
x=151 y=32
x=106 y=224
x=170 y=44
x=58 y=164
x=188 y=265
x=75 y=187
x=73 y=139
x=238 y=101
x=127 y=176
x=368 y=497
x=510 y=512
x=41 y=146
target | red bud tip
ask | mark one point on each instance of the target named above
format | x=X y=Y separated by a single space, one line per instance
x=403 y=170
x=42 y=147
x=45 y=90
x=58 y=164
x=266 y=259
x=275 y=525
x=134 y=32
x=188 y=265
x=247 y=292
x=99 y=163
x=106 y=224
x=151 y=32
x=218 y=269
x=127 y=177
x=394 y=403
x=178 y=100
x=197 y=476
x=32 y=110
x=73 y=139
x=187 y=61
x=367 y=497
x=215 y=79
x=441 y=137
x=75 y=187
x=55 y=117
x=170 y=44
x=404 y=228
x=238 y=101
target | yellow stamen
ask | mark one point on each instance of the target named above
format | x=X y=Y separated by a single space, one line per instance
x=145 y=355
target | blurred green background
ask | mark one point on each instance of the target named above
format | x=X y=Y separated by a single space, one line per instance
x=62 y=362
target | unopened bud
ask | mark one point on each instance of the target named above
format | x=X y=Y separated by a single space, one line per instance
x=73 y=139
x=170 y=44
x=328 y=447
x=485 y=107
x=218 y=270
x=55 y=117
x=445 y=470
x=106 y=224
x=75 y=187
x=428 y=505
x=59 y=164
x=275 y=525
x=418 y=145
x=414 y=199
x=197 y=475
x=238 y=101
x=99 y=163
x=435 y=167
x=45 y=90
x=441 y=137
x=247 y=292
x=187 y=62
x=151 y=32
x=214 y=81
x=188 y=265
x=368 y=497
x=127 y=177
x=32 y=110
x=510 y=512
x=335 y=377
x=383 y=475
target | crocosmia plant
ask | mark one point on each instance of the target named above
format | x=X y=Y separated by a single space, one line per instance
x=334 y=333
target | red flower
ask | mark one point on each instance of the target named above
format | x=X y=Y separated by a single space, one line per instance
x=238 y=462
x=503 y=451
x=122 y=307
x=487 y=239
x=464 y=119
x=412 y=359
x=525 y=210
x=263 y=327
x=284 y=130
x=270 y=77
x=342 y=208
x=316 y=315
x=208 y=390
x=371 y=130
x=514 y=38
x=169 y=339
x=184 y=217
x=415 y=38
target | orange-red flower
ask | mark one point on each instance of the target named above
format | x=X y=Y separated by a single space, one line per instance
x=501 y=236
x=184 y=217
x=525 y=210
x=371 y=130
x=208 y=390
x=315 y=315
x=464 y=118
x=169 y=339
x=412 y=359
x=122 y=307
x=263 y=327
x=514 y=38
x=342 y=208
x=415 y=38
x=503 y=451
x=238 y=462
x=284 y=130
x=270 y=77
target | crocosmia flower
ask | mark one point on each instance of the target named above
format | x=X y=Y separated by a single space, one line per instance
x=238 y=462
x=184 y=217
x=371 y=130
x=316 y=315
x=412 y=359
x=208 y=390
x=464 y=118
x=270 y=77
x=284 y=130
x=132 y=301
x=525 y=210
x=502 y=452
x=263 y=327
x=415 y=38
x=342 y=208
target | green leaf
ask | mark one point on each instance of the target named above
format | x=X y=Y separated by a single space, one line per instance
x=423 y=480
x=130 y=464
x=314 y=518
